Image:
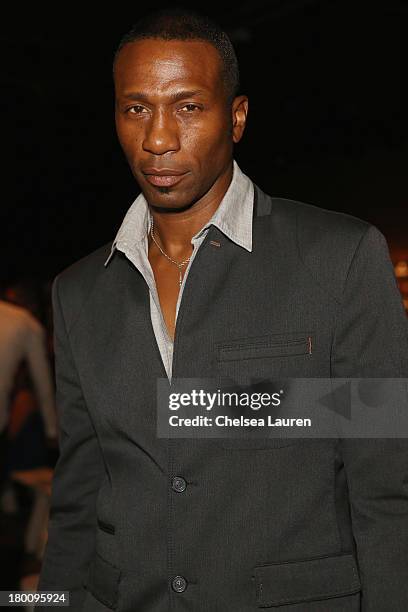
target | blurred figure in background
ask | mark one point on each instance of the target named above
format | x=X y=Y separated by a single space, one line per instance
x=23 y=339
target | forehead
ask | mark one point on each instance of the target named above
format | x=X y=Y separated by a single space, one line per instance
x=161 y=64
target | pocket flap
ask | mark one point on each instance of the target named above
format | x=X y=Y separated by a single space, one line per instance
x=275 y=345
x=309 y=580
x=103 y=581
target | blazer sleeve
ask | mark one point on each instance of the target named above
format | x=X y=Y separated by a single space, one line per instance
x=371 y=341
x=76 y=480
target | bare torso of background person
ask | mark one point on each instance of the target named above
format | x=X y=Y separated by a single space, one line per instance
x=22 y=337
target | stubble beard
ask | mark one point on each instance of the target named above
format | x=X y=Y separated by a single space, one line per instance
x=164 y=190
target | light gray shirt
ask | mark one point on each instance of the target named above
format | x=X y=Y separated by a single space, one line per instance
x=233 y=218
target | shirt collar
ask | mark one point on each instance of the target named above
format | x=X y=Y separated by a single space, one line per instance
x=233 y=217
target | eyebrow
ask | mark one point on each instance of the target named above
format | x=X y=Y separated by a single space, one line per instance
x=174 y=97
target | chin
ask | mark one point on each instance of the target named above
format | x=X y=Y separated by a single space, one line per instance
x=167 y=198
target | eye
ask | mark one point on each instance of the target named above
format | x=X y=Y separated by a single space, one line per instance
x=137 y=109
x=190 y=107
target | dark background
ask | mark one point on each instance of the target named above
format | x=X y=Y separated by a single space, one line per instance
x=327 y=125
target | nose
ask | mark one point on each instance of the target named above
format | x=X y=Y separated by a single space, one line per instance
x=161 y=134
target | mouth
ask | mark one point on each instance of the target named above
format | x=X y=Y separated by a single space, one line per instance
x=165 y=177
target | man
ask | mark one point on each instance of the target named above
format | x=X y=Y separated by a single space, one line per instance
x=206 y=273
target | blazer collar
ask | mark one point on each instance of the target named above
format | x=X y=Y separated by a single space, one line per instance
x=233 y=217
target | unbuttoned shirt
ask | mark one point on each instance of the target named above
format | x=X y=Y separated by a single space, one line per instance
x=233 y=218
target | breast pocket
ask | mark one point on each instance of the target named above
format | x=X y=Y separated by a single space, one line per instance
x=264 y=347
x=250 y=363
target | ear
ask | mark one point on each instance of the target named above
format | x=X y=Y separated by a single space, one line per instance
x=239 y=116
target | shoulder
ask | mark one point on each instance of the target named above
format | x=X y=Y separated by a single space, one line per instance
x=20 y=320
x=11 y=311
x=325 y=230
x=327 y=241
x=17 y=314
x=74 y=283
x=315 y=222
x=85 y=268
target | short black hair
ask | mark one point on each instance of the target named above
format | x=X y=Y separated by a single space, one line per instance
x=181 y=24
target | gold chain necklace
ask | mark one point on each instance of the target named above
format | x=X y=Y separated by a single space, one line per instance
x=179 y=264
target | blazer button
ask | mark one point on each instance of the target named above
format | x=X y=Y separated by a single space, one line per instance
x=179 y=584
x=179 y=484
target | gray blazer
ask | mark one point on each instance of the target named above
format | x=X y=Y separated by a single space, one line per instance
x=298 y=525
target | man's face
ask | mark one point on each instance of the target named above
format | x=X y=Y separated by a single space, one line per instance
x=173 y=120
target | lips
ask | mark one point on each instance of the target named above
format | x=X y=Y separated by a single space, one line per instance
x=165 y=180
x=163 y=177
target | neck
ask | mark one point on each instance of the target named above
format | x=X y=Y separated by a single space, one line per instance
x=174 y=231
